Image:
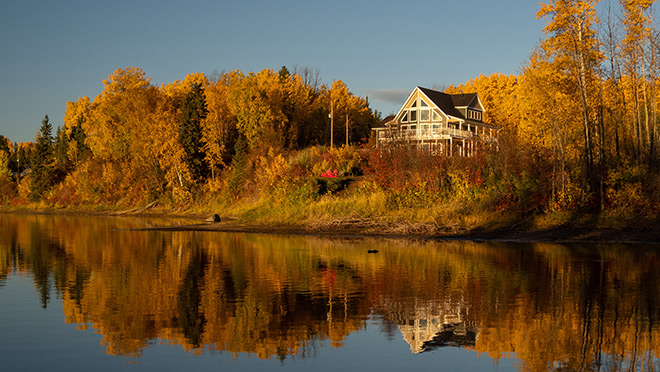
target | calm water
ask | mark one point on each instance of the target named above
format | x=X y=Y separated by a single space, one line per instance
x=81 y=293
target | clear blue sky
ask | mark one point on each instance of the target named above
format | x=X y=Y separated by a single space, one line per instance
x=57 y=51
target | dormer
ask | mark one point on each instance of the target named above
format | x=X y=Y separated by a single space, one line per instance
x=469 y=105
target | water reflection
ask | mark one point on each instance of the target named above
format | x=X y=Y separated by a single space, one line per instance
x=552 y=306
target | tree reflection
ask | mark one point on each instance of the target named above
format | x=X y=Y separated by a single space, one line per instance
x=191 y=318
x=552 y=306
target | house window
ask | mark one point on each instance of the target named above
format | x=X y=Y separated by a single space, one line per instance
x=413 y=115
x=423 y=103
x=404 y=119
x=414 y=103
x=424 y=115
x=473 y=114
x=436 y=116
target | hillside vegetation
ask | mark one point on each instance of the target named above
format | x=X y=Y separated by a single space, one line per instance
x=579 y=137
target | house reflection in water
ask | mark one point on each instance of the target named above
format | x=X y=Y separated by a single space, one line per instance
x=434 y=325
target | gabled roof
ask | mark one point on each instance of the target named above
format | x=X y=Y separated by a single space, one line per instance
x=463 y=100
x=444 y=101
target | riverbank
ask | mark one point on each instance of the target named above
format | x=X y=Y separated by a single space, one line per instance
x=556 y=228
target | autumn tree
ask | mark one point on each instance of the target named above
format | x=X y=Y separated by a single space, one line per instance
x=572 y=47
x=42 y=174
x=219 y=128
x=5 y=156
x=119 y=129
x=256 y=119
x=5 y=153
x=634 y=48
x=499 y=94
x=614 y=104
x=547 y=114
x=7 y=184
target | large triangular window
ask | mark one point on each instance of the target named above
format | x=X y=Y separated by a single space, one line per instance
x=414 y=103
x=423 y=103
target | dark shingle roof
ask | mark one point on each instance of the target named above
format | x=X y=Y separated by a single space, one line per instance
x=463 y=100
x=444 y=101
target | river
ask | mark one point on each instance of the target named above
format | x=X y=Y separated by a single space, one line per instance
x=80 y=293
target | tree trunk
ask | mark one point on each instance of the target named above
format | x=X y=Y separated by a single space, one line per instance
x=582 y=82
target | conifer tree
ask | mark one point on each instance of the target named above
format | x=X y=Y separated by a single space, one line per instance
x=43 y=166
x=190 y=132
x=61 y=147
x=77 y=138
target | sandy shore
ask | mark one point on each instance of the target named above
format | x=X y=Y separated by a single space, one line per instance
x=558 y=234
x=634 y=232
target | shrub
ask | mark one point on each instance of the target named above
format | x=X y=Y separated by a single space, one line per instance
x=631 y=191
x=8 y=190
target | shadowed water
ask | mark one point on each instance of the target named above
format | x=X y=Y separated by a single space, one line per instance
x=86 y=293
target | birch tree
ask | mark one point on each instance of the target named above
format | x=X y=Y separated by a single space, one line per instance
x=573 y=48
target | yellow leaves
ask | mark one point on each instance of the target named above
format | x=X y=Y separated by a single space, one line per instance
x=76 y=113
x=270 y=170
x=125 y=80
x=637 y=25
x=571 y=27
x=499 y=95
x=4 y=166
x=178 y=89
x=256 y=101
x=132 y=127
x=218 y=125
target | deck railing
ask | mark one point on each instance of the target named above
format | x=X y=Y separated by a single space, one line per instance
x=424 y=134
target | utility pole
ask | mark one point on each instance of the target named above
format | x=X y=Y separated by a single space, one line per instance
x=332 y=121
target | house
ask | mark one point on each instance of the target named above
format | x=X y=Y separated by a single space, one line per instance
x=449 y=124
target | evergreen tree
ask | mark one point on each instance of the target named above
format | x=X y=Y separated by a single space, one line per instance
x=239 y=167
x=61 y=147
x=77 y=138
x=284 y=74
x=43 y=164
x=190 y=132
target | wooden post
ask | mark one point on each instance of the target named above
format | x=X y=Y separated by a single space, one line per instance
x=332 y=121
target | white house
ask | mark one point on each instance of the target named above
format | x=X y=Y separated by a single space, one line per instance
x=450 y=124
